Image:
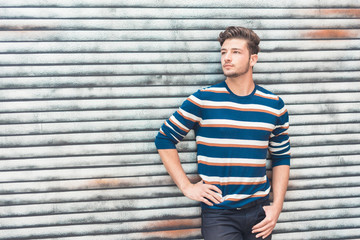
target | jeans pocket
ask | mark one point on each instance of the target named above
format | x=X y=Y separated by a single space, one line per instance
x=261 y=211
x=266 y=203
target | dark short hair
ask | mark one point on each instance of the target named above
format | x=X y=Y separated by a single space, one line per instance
x=249 y=35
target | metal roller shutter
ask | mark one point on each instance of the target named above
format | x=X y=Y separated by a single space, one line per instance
x=85 y=85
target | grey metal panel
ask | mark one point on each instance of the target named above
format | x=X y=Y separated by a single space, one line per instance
x=166 y=46
x=155 y=80
x=179 y=12
x=169 y=69
x=170 y=91
x=163 y=24
x=127 y=58
x=191 y=3
x=85 y=85
x=159 y=35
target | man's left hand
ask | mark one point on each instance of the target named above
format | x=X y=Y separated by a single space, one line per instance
x=266 y=226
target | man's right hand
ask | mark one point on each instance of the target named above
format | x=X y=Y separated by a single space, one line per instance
x=202 y=192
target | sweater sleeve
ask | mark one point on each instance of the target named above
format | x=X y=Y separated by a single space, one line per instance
x=180 y=123
x=279 y=144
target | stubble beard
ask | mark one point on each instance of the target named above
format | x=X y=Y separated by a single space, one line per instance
x=238 y=74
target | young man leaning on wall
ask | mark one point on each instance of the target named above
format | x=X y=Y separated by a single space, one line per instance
x=236 y=123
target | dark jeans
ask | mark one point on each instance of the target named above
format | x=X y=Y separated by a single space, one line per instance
x=232 y=224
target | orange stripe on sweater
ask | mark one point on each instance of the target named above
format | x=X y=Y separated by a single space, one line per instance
x=232 y=164
x=190 y=119
x=215 y=91
x=235 y=183
x=235 y=126
x=236 y=200
x=230 y=145
x=185 y=130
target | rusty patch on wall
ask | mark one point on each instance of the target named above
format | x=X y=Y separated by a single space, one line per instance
x=106 y=183
x=172 y=234
x=174 y=224
x=341 y=12
x=131 y=182
x=163 y=228
x=330 y=33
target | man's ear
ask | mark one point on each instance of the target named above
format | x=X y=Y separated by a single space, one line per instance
x=253 y=59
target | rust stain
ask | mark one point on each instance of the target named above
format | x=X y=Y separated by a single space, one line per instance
x=174 y=223
x=172 y=234
x=176 y=234
x=335 y=33
x=106 y=183
x=173 y=228
x=341 y=12
x=128 y=182
x=330 y=33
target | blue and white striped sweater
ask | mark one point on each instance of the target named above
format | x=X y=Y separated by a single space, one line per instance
x=233 y=137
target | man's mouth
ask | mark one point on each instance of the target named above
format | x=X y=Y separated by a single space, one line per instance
x=227 y=66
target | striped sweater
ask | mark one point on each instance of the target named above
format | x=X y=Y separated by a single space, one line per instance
x=234 y=134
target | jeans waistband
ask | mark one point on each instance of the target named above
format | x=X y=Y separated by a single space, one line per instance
x=253 y=204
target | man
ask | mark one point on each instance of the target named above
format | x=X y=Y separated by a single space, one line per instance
x=236 y=123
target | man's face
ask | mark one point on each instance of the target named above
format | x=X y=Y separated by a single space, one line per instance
x=235 y=58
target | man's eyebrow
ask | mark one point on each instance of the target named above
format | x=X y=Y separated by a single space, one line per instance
x=231 y=49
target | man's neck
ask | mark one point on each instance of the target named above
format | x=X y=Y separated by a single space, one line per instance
x=241 y=86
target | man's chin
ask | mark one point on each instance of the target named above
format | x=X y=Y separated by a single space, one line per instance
x=231 y=75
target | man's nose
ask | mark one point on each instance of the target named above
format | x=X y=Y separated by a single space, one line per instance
x=227 y=57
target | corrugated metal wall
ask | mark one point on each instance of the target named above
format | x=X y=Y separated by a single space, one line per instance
x=85 y=85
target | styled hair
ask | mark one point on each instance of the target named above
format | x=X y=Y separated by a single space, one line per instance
x=249 y=35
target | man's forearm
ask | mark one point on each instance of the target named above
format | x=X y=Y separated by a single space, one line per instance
x=280 y=179
x=171 y=161
x=201 y=192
